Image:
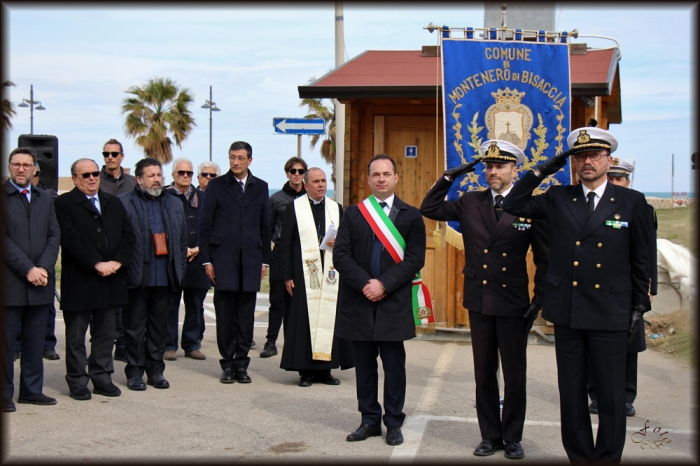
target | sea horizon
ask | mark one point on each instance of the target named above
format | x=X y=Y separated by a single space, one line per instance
x=659 y=194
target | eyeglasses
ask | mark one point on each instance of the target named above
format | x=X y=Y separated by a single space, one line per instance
x=111 y=154
x=26 y=166
x=87 y=175
x=208 y=175
x=185 y=172
x=294 y=171
x=587 y=155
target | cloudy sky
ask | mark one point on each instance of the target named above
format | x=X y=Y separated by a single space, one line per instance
x=81 y=58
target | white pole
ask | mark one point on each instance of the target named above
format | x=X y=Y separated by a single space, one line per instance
x=339 y=187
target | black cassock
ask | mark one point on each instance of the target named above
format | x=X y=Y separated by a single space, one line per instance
x=297 y=354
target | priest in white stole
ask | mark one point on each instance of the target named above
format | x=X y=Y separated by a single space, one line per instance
x=310 y=344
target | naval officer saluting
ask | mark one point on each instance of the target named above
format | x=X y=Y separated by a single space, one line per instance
x=596 y=290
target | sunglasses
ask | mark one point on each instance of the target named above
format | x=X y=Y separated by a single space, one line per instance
x=294 y=171
x=208 y=175
x=184 y=172
x=87 y=175
x=594 y=157
x=111 y=154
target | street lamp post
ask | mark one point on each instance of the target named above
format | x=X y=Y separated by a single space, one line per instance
x=31 y=103
x=212 y=108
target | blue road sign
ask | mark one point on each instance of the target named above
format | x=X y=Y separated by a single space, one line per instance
x=299 y=125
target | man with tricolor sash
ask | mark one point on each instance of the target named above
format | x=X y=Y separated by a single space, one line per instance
x=309 y=226
x=496 y=293
x=379 y=251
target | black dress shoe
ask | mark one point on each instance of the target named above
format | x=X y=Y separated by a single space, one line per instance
x=269 y=350
x=394 y=436
x=81 y=392
x=514 y=451
x=136 y=383
x=37 y=399
x=158 y=381
x=488 y=447
x=593 y=408
x=364 y=432
x=327 y=380
x=51 y=355
x=629 y=410
x=242 y=376
x=108 y=389
x=8 y=406
x=227 y=376
x=305 y=381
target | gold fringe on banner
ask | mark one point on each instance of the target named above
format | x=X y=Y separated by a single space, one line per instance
x=425 y=329
x=454 y=238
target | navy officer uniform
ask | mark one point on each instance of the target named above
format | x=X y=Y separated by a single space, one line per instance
x=496 y=289
x=596 y=289
x=619 y=174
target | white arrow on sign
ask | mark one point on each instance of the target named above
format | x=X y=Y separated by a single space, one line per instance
x=284 y=126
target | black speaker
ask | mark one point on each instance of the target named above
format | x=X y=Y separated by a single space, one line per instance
x=46 y=149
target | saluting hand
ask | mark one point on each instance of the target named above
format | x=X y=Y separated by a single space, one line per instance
x=456 y=172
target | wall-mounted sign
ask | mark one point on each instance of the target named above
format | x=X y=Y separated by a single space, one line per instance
x=411 y=152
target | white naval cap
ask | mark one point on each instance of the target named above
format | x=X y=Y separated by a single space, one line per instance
x=591 y=138
x=495 y=150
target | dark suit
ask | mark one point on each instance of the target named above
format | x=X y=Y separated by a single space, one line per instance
x=378 y=328
x=89 y=236
x=596 y=275
x=31 y=238
x=234 y=236
x=496 y=295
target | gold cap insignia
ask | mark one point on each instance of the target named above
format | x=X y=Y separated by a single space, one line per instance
x=583 y=137
x=616 y=161
x=493 y=149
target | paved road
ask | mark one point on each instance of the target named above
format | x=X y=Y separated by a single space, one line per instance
x=273 y=419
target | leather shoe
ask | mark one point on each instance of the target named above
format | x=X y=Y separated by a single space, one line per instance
x=269 y=350
x=305 y=381
x=8 y=406
x=242 y=376
x=170 y=355
x=329 y=380
x=488 y=447
x=36 y=399
x=514 y=451
x=593 y=408
x=195 y=354
x=51 y=355
x=629 y=410
x=158 y=381
x=364 y=432
x=394 y=436
x=120 y=354
x=227 y=376
x=81 y=392
x=108 y=389
x=136 y=383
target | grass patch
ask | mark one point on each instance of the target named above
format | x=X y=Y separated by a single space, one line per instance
x=678 y=339
x=675 y=225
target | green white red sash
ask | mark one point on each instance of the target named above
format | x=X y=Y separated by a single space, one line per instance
x=394 y=243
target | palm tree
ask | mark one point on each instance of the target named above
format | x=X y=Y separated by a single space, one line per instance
x=156 y=109
x=8 y=110
x=317 y=109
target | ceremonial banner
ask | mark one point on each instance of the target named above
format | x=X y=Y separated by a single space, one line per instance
x=509 y=90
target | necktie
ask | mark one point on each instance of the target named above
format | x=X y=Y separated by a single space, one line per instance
x=591 y=202
x=94 y=203
x=240 y=188
x=498 y=206
x=24 y=194
x=377 y=251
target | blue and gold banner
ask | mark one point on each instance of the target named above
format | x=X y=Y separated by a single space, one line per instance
x=515 y=91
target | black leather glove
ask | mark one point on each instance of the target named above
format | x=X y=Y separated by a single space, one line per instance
x=530 y=316
x=456 y=172
x=553 y=165
x=637 y=319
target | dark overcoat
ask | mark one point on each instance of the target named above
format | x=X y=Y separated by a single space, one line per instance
x=597 y=272
x=390 y=319
x=297 y=354
x=195 y=277
x=31 y=238
x=495 y=270
x=89 y=237
x=234 y=232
